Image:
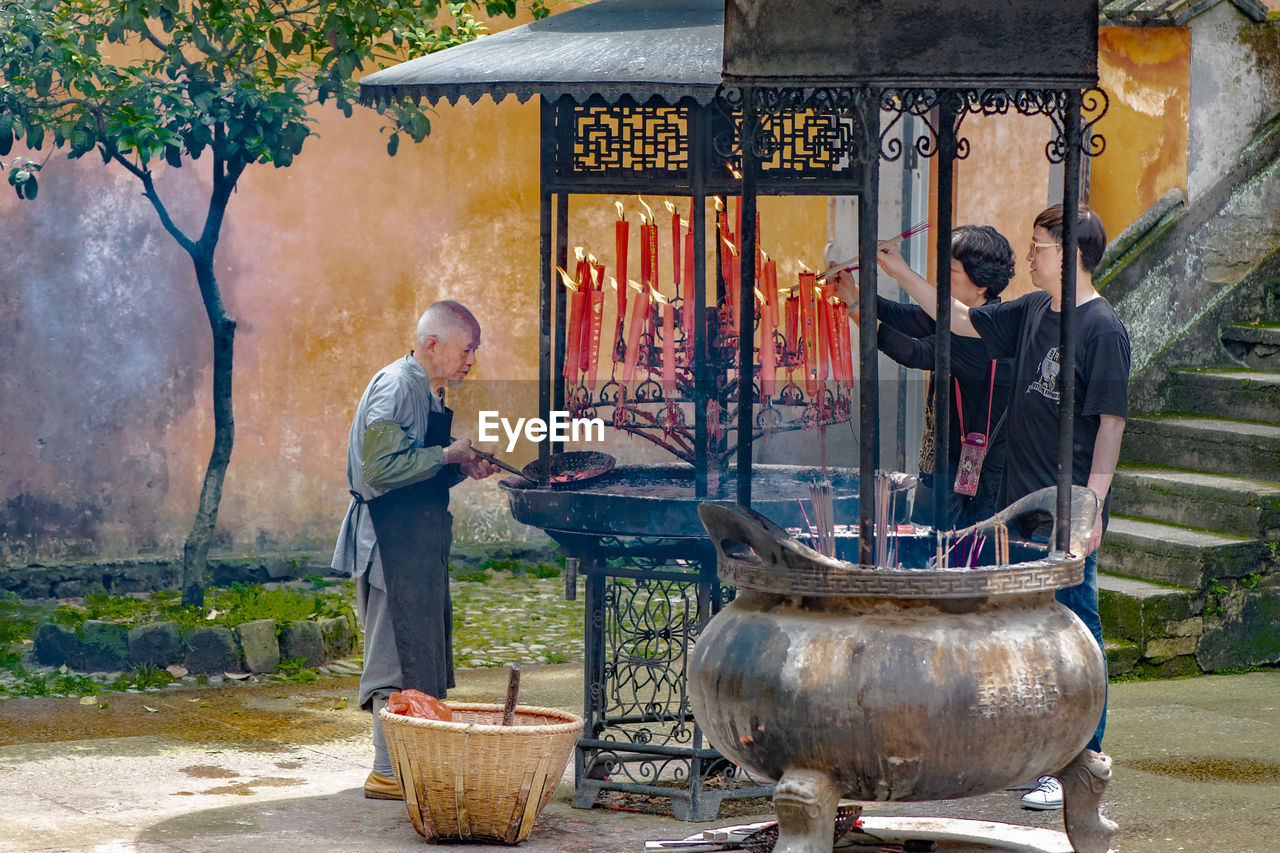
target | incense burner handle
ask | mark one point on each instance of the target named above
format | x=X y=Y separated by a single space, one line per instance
x=744 y=535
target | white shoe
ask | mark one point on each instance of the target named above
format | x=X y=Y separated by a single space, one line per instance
x=1046 y=795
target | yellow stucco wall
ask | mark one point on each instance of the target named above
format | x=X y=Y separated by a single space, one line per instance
x=1146 y=74
x=1005 y=180
x=326 y=265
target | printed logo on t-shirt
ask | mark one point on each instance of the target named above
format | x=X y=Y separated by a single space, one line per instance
x=1047 y=382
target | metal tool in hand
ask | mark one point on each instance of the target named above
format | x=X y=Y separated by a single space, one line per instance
x=496 y=461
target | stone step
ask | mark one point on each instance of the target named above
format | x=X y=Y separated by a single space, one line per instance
x=1165 y=553
x=1230 y=447
x=1237 y=506
x=1252 y=395
x=1255 y=344
x=1149 y=630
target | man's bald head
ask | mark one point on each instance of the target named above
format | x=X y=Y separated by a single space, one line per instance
x=448 y=337
x=443 y=318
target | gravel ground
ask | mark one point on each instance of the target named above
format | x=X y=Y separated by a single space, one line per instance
x=515 y=620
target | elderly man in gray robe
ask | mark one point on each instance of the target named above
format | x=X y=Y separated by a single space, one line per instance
x=395 y=538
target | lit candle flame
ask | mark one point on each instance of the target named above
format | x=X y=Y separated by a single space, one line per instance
x=759 y=295
x=671 y=208
x=737 y=176
x=658 y=297
x=764 y=256
x=732 y=248
x=719 y=205
x=613 y=282
x=803 y=266
x=621 y=213
x=648 y=211
x=634 y=285
x=577 y=252
x=568 y=281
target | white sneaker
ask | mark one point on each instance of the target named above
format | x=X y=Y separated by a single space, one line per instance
x=1046 y=795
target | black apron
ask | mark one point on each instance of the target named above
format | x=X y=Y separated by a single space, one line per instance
x=414 y=531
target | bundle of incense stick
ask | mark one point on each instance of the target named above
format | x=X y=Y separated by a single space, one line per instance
x=824 y=527
x=1002 y=542
x=883 y=510
x=852 y=264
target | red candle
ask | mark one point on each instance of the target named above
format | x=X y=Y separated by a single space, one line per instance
x=768 y=363
x=639 y=311
x=768 y=325
x=791 y=314
x=620 y=235
x=725 y=240
x=823 y=315
x=846 y=349
x=733 y=291
x=573 y=326
x=688 y=292
x=668 y=350
x=808 y=340
x=676 y=268
x=649 y=255
x=771 y=294
x=595 y=314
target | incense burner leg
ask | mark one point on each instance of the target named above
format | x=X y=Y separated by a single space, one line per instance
x=1084 y=781
x=805 y=801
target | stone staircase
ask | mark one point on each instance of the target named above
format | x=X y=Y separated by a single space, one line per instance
x=1186 y=582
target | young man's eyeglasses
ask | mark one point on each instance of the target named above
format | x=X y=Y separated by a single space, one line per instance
x=1035 y=245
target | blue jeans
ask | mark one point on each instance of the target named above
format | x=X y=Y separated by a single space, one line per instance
x=1082 y=600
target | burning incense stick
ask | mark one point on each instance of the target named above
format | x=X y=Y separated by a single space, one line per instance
x=852 y=264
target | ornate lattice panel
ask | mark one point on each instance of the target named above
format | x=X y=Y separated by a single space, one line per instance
x=626 y=140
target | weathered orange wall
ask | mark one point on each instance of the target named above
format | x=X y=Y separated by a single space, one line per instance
x=1004 y=182
x=105 y=418
x=1147 y=75
x=105 y=422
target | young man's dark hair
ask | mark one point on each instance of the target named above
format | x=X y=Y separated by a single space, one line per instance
x=986 y=256
x=1091 y=236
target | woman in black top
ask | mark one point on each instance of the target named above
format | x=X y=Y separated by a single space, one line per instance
x=982 y=262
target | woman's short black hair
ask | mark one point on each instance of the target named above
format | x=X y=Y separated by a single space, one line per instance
x=986 y=256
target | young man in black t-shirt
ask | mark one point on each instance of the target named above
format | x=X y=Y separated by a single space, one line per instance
x=1027 y=329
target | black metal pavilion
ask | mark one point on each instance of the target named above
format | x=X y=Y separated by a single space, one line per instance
x=655 y=96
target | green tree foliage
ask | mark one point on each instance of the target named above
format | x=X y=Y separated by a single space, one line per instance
x=226 y=82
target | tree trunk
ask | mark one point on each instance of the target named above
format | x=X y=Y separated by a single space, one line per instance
x=195 y=554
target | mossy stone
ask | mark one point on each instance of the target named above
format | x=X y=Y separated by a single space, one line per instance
x=339 y=639
x=259 y=645
x=302 y=640
x=56 y=645
x=1250 y=638
x=1121 y=615
x=1122 y=656
x=158 y=644
x=104 y=646
x=211 y=651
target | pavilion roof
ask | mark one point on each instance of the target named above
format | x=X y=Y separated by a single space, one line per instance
x=613 y=48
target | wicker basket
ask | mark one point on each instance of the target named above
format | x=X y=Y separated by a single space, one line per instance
x=474 y=778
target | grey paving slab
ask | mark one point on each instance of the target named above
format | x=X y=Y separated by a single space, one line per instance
x=1197 y=767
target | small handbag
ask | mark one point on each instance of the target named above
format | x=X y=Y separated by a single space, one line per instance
x=973 y=447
